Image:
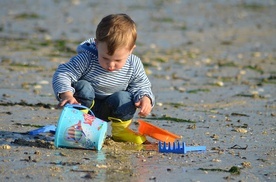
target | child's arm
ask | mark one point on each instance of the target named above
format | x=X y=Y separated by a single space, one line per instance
x=66 y=74
x=140 y=87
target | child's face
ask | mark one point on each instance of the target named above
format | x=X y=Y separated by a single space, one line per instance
x=115 y=61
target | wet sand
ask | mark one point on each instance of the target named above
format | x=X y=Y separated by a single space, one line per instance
x=212 y=66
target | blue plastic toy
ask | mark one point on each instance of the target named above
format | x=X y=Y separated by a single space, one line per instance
x=178 y=148
x=45 y=129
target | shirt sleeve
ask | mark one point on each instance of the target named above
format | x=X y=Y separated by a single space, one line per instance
x=140 y=85
x=68 y=73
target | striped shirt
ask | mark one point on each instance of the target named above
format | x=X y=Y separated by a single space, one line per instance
x=85 y=66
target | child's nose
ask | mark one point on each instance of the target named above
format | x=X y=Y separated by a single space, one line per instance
x=111 y=66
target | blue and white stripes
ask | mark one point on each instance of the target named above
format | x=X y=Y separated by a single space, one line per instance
x=85 y=66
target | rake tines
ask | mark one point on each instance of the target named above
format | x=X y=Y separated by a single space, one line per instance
x=178 y=148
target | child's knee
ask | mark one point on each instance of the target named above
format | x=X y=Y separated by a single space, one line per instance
x=84 y=92
x=121 y=98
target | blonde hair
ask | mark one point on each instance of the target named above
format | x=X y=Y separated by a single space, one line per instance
x=117 y=31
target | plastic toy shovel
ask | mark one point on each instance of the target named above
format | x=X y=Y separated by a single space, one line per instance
x=155 y=132
x=45 y=129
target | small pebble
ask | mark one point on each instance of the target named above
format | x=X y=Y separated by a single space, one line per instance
x=219 y=83
x=7 y=147
x=216 y=160
x=37 y=152
x=246 y=164
x=102 y=166
x=241 y=130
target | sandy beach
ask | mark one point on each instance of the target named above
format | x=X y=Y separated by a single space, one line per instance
x=212 y=65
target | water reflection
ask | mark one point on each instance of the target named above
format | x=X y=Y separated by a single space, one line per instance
x=100 y=156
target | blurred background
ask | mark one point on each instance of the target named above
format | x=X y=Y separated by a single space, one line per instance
x=160 y=23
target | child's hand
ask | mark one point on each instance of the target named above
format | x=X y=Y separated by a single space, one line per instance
x=67 y=97
x=145 y=106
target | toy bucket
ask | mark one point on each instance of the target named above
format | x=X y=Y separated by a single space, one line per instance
x=77 y=129
x=155 y=132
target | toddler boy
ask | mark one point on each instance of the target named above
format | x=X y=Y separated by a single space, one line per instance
x=106 y=77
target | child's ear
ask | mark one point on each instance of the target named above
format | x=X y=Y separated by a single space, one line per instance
x=132 y=49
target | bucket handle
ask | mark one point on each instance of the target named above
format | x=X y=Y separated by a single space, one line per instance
x=78 y=106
